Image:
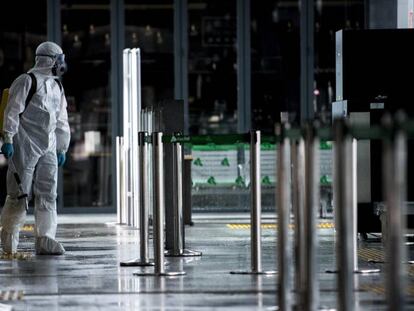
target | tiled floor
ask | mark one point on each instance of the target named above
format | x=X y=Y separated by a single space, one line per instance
x=89 y=276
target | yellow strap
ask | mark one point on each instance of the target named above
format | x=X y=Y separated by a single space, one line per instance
x=3 y=104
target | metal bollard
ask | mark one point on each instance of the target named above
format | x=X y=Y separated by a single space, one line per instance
x=310 y=297
x=135 y=127
x=255 y=209
x=127 y=134
x=159 y=206
x=120 y=212
x=354 y=210
x=354 y=215
x=123 y=184
x=351 y=153
x=343 y=204
x=178 y=249
x=118 y=179
x=283 y=204
x=298 y=203
x=147 y=125
x=395 y=181
x=143 y=260
x=187 y=206
x=128 y=191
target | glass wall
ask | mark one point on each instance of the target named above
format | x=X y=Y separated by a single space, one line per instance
x=331 y=16
x=19 y=36
x=275 y=54
x=149 y=26
x=86 y=41
x=212 y=66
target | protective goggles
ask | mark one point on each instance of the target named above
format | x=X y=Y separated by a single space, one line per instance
x=60 y=67
x=59 y=58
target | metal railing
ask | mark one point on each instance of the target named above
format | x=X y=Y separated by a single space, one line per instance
x=298 y=189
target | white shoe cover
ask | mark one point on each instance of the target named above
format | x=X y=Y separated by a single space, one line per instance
x=48 y=246
x=13 y=216
x=9 y=241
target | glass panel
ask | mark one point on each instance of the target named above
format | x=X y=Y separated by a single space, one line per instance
x=86 y=43
x=221 y=184
x=19 y=36
x=212 y=66
x=212 y=76
x=275 y=44
x=150 y=27
x=331 y=16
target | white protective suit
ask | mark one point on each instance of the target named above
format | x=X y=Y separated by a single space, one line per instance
x=37 y=133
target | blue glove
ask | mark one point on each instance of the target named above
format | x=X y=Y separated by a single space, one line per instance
x=7 y=150
x=61 y=158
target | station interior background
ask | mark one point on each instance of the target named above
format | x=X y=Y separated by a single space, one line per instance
x=236 y=65
x=85 y=30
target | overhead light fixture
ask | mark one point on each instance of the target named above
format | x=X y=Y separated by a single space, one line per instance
x=91 y=29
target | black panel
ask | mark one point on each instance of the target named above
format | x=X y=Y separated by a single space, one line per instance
x=373 y=63
x=171 y=121
x=378 y=62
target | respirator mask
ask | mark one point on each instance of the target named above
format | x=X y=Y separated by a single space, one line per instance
x=59 y=67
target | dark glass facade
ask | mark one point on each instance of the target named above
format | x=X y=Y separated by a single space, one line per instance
x=275 y=54
x=212 y=66
x=86 y=41
x=19 y=37
x=86 y=38
x=149 y=26
x=331 y=16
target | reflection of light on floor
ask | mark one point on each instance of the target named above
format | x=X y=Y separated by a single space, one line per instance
x=371 y=254
x=322 y=225
x=380 y=289
x=3 y=161
x=16 y=256
x=92 y=142
x=28 y=228
x=10 y=295
x=378 y=256
x=377 y=289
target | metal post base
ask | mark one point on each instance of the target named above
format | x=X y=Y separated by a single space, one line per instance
x=359 y=271
x=367 y=271
x=137 y=263
x=169 y=273
x=298 y=308
x=182 y=253
x=254 y=272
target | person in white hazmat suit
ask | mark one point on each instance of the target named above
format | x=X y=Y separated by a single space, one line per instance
x=36 y=138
